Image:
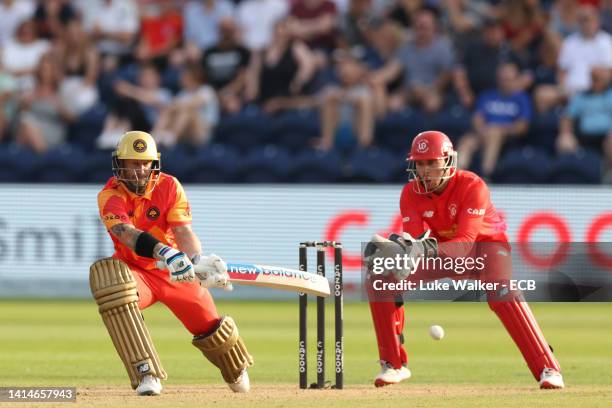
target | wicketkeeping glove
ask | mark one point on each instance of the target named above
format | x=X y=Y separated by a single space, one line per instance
x=212 y=272
x=177 y=263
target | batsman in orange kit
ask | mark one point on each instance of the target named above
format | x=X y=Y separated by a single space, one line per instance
x=148 y=217
x=451 y=214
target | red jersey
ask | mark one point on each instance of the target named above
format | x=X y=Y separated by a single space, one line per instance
x=156 y=212
x=462 y=214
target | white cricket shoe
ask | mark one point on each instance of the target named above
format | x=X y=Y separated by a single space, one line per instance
x=551 y=379
x=243 y=384
x=149 y=385
x=389 y=375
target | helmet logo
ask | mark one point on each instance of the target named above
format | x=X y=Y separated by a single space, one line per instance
x=153 y=213
x=447 y=148
x=422 y=146
x=139 y=145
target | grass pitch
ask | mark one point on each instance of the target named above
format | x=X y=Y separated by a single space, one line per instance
x=64 y=343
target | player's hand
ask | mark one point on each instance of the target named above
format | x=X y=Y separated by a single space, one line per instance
x=177 y=263
x=423 y=246
x=380 y=248
x=212 y=272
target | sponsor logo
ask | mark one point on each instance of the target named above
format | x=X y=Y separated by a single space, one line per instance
x=406 y=219
x=452 y=210
x=422 y=146
x=252 y=271
x=113 y=217
x=428 y=214
x=143 y=368
x=476 y=211
x=139 y=145
x=153 y=213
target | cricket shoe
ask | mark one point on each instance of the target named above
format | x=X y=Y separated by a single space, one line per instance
x=242 y=384
x=149 y=385
x=551 y=379
x=389 y=375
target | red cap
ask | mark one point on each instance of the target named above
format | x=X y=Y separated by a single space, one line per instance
x=430 y=145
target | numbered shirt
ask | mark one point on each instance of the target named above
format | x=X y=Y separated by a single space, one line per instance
x=462 y=215
x=157 y=213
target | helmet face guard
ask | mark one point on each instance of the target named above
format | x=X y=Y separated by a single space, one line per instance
x=421 y=186
x=134 y=183
x=136 y=145
x=431 y=145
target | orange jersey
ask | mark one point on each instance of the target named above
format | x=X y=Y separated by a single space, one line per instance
x=156 y=212
x=462 y=214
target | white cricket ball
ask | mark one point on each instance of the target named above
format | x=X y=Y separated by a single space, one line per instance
x=436 y=332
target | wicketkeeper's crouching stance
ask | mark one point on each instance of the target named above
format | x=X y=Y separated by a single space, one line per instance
x=148 y=218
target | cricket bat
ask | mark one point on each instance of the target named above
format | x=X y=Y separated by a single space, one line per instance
x=275 y=277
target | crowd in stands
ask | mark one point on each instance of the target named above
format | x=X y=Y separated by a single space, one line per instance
x=307 y=90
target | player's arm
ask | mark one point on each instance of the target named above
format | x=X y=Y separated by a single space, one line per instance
x=187 y=241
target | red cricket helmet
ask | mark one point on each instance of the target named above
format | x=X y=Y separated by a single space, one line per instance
x=431 y=145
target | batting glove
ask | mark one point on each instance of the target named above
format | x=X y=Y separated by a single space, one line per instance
x=212 y=272
x=177 y=263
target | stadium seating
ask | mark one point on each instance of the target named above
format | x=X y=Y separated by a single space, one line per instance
x=582 y=167
x=373 y=165
x=314 y=166
x=17 y=163
x=61 y=164
x=269 y=164
x=523 y=166
x=212 y=164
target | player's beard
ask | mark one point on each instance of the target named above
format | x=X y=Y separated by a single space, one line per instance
x=135 y=183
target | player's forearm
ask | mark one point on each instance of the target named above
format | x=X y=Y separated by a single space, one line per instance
x=187 y=241
x=126 y=234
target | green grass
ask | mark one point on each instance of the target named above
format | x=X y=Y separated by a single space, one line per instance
x=64 y=343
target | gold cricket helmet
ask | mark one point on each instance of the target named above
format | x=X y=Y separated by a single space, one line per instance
x=137 y=145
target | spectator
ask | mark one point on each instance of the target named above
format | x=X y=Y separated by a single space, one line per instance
x=315 y=23
x=564 y=17
x=201 y=18
x=283 y=72
x=405 y=11
x=43 y=115
x=161 y=31
x=426 y=61
x=357 y=25
x=81 y=65
x=479 y=59
x=52 y=16
x=8 y=92
x=580 y=52
x=192 y=115
x=135 y=106
x=13 y=13
x=352 y=101
x=21 y=56
x=523 y=23
x=114 y=30
x=257 y=18
x=225 y=67
x=463 y=18
x=501 y=115
x=587 y=122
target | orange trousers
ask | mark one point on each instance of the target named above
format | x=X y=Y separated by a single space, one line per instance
x=190 y=302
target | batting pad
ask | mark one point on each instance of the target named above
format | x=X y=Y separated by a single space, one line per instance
x=516 y=316
x=114 y=289
x=225 y=349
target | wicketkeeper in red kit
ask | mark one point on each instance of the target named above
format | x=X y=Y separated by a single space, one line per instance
x=451 y=213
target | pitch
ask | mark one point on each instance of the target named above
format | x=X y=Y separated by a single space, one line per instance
x=63 y=343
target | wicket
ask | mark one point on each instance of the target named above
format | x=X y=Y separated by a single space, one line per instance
x=338 y=318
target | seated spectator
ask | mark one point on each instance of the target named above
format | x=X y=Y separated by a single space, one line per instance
x=587 y=122
x=52 y=16
x=563 y=17
x=478 y=62
x=201 y=22
x=426 y=62
x=501 y=115
x=21 y=56
x=405 y=11
x=81 y=65
x=13 y=13
x=283 y=72
x=161 y=31
x=351 y=101
x=43 y=117
x=580 y=52
x=315 y=23
x=463 y=18
x=115 y=28
x=192 y=115
x=225 y=67
x=8 y=93
x=257 y=18
x=357 y=25
x=138 y=106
